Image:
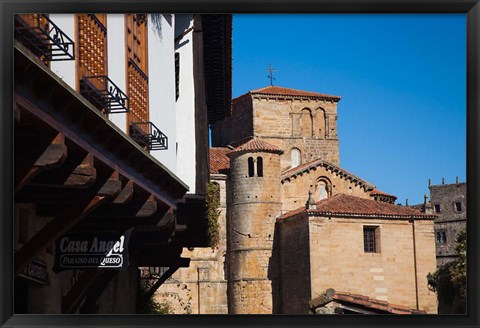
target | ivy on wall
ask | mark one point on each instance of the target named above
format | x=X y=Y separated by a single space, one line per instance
x=212 y=203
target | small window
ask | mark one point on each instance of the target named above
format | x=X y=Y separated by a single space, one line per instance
x=259 y=166
x=437 y=208
x=177 y=75
x=371 y=239
x=458 y=206
x=295 y=157
x=250 y=167
x=441 y=237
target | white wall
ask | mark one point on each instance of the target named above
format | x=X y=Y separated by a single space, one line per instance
x=176 y=119
x=161 y=84
x=117 y=61
x=185 y=106
x=65 y=69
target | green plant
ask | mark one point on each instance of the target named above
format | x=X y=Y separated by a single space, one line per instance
x=450 y=279
x=150 y=305
x=212 y=203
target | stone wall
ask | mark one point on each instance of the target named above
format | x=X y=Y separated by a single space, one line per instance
x=295 y=190
x=236 y=128
x=202 y=287
x=308 y=125
x=295 y=279
x=425 y=264
x=338 y=260
x=449 y=219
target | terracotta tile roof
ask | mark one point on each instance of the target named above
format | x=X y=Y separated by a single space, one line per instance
x=352 y=206
x=305 y=168
x=370 y=303
x=376 y=192
x=256 y=145
x=219 y=162
x=288 y=92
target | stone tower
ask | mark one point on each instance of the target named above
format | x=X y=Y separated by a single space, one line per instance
x=303 y=124
x=255 y=204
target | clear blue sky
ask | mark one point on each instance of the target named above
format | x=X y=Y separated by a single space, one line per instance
x=402 y=79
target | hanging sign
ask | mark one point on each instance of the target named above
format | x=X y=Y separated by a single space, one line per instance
x=86 y=250
x=35 y=271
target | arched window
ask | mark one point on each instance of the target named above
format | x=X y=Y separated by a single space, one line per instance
x=321 y=123
x=296 y=157
x=306 y=123
x=250 y=167
x=259 y=166
x=324 y=189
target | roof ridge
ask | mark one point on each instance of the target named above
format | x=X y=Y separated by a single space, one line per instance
x=256 y=145
x=289 y=92
x=337 y=205
x=317 y=162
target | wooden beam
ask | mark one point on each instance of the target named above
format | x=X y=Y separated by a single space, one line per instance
x=103 y=190
x=75 y=295
x=145 y=297
x=126 y=194
x=138 y=206
x=179 y=263
x=77 y=171
x=150 y=176
x=53 y=156
x=97 y=290
x=156 y=255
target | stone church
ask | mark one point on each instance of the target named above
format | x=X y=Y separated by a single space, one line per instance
x=294 y=224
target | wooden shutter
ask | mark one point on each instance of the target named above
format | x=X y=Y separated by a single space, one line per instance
x=137 y=69
x=92 y=48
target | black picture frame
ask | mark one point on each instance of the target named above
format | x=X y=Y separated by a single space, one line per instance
x=471 y=8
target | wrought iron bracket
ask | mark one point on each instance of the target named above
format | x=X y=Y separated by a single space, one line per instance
x=47 y=41
x=104 y=94
x=146 y=134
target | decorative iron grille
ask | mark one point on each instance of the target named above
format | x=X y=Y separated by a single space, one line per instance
x=147 y=135
x=104 y=94
x=43 y=37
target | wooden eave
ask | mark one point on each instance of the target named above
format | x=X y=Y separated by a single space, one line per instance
x=217 y=57
x=79 y=169
x=71 y=115
x=191 y=213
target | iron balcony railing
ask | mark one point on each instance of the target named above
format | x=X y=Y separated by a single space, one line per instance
x=147 y=135
x=104 y=94
x=44 y=38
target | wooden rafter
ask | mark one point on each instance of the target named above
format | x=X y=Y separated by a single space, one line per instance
x=75 y=295
x=77 y=171
x=31 y=163
x=93 y=293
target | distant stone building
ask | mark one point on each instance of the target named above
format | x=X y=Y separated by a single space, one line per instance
x=297 y=224
x=449 y=202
